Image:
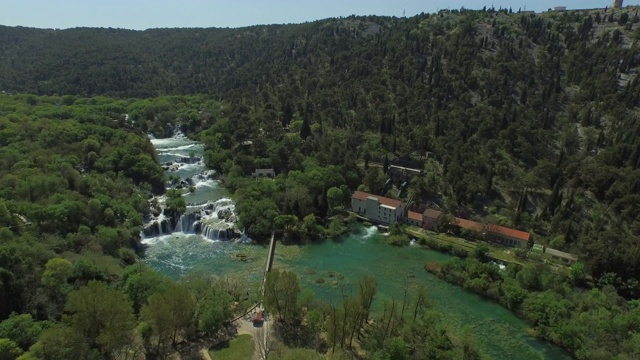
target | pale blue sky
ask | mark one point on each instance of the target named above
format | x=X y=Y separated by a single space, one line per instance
x=143 y=14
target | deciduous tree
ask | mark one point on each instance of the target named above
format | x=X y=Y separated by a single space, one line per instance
x=170 y=313
x=281 y=291
x=103 y=315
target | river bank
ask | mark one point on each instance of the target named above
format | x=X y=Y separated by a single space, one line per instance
x=326 y=266
x=542 y=297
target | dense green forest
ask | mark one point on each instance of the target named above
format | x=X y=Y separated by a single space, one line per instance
x=76 y=180
x=75 y=187
x=528 y=120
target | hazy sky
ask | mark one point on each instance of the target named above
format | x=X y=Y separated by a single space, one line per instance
x=143 y=14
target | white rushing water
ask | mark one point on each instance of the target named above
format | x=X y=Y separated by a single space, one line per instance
x=209 y=214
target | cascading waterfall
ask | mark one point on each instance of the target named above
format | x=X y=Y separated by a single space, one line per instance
x=187 y=223
x=177 y=133
x=158 y=226
x=213 y=220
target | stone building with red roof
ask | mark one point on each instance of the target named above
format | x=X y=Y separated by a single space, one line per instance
x=378 y=209
x=414 y=218
x=473 y=229
x=507 y=236
x=430 y=219
x=386 y=211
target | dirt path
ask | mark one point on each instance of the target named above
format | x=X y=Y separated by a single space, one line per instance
x=260 y=335
x=204 y=354
x=245 y=327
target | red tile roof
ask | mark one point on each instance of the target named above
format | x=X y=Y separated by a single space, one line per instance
x=414 y=216
x=361 y=195
x=505 y=231
x=432 y=213
x=257 y=317
x=468 y=224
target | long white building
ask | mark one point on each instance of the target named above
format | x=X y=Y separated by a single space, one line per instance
x=376 y=208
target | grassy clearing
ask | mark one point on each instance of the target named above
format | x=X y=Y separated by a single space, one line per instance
x=284 y=352
x=240 y=347
x=500 y=253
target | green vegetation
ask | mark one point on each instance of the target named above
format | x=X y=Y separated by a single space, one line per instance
x=527 y=120
x=407 y=328
x=462 y=248
x=597 y=323
x=524 y=114
x=240 y=347
x=295 y=354
x=397 y=236
x=72 y=196
x=75 y=178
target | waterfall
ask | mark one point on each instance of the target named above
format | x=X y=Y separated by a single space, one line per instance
x=211 y=233
x=165 y=227
x=177 y=133
x=215 y=234
x=186 y=223
x=157 y=227
x=213 y=220
x=151 y=230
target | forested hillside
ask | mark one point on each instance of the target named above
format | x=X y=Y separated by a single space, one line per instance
x=539 y=110
x=75 y=181
x=532 y=119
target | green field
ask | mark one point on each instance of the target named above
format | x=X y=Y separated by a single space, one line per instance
x=240 y=347
x=497 y=252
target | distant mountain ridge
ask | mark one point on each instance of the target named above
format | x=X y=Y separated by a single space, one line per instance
x=222 y=61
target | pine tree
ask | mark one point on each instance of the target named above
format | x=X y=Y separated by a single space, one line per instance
x=366 y=157
x=305 y=130
x=287 y=114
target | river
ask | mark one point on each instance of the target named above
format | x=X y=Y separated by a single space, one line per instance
x=324 y=267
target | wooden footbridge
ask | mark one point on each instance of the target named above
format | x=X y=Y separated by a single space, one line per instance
x=270 y=255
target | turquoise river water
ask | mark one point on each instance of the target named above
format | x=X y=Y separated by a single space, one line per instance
x=499 y=333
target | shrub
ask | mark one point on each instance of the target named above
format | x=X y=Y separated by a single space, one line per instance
x=398 y=240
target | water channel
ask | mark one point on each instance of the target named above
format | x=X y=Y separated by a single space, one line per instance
x=498 y=333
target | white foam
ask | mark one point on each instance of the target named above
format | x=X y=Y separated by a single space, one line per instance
x=370 y=231
x=196 y=206
x=154 y=239
x=165 y=141
x=166 y=153
x=190 y=166
x=178 y=148
x=207 y=183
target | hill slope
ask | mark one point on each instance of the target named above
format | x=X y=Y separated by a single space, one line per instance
x=540 y=110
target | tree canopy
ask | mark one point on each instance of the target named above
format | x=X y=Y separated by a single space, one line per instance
x=530 y=120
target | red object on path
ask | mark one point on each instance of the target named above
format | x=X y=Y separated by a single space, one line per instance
x=257 y=317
